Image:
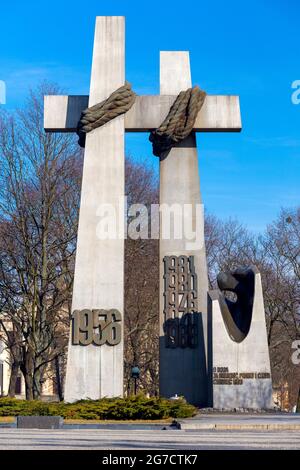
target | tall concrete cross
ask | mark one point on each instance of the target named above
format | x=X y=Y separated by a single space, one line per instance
x=97 y=371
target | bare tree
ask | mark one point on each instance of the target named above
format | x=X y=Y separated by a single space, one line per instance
x=281 y=246
x=141 y=284
x=39 y=200
x=228 y=244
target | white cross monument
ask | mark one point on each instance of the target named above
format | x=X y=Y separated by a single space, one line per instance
x=95 y=371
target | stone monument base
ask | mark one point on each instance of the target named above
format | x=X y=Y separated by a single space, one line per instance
x=240 y=373
x=40 y=422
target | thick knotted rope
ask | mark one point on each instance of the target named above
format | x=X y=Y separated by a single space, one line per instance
x=179 y=122
x=177 y=126
x=119 y=102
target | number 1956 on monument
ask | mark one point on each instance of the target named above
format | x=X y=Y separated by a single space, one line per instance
x=96 y=327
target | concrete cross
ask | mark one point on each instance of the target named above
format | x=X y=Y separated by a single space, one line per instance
x=95 y=372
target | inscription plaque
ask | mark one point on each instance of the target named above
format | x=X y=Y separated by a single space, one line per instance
x=222 y=376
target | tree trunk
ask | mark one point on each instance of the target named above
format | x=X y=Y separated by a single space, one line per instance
x=58 y=379
x=36 y=383
x=28 y=386
x=298 y=402
x=27 y=369
x=13 y=379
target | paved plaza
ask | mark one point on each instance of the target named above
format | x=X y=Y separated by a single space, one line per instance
x=88 y=439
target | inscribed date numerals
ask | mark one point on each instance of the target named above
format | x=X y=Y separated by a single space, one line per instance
x=96 y=327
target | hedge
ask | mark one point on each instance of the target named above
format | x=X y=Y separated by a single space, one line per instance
x=131 y=408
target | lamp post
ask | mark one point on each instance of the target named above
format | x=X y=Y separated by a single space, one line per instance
x=135 y=374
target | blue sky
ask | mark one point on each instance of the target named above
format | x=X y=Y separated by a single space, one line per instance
x=248 y=48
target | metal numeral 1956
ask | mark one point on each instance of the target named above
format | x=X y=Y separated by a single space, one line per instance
x=96 y=327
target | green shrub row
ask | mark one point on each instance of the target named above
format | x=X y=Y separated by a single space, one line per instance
x=131 y=408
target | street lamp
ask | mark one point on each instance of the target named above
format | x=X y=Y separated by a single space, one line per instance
x=135 y=374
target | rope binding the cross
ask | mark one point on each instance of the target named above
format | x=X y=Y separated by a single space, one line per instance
x=119 y=102
x=176 y=127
